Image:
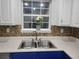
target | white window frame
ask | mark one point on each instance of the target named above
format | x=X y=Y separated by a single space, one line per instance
x=29 y=30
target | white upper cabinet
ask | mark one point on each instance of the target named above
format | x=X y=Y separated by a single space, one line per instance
x=0 y=10
x=75 y=13
x=65 y=12
x=61 y=12
x=5 y=12
x=10 y=12
x=54 y=12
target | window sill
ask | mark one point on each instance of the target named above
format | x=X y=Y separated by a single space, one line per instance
x=32 y=30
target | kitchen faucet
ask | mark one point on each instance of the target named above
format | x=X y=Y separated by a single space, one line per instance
x=37 y=41
x=36 y=35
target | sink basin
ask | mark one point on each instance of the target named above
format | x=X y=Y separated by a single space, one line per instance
x=27 y=44
x=36 y=44
x=45 y=44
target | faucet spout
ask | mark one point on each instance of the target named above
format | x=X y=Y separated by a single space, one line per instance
x=36 y=35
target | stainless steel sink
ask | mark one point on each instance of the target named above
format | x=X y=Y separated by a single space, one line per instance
x=36 y=44
x=46 y=44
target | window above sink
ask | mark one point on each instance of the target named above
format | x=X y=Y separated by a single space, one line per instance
x=31 y=10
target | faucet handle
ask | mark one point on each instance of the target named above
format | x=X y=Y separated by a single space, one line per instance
x=39 y=39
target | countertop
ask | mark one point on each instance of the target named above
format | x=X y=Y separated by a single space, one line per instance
x=68 y=44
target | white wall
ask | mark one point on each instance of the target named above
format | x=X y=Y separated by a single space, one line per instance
x=17 y=11
x=54 y=13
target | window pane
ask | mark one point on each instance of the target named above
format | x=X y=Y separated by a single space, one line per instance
x=36 y=4
x=36 y=11
x=27 y=18
x=33 y=25
x=45 y=11
x=27 y=11
x=27 y=25
x=34 y=19
x=45 y=25
x=45 y=19
x=45 y=4
x=27 y=4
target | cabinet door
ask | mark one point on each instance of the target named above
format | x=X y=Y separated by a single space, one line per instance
x=40 y=55
x=65 y=12
x=23 y=55
x=6 y=12
x=75 y=13
x=10 y=12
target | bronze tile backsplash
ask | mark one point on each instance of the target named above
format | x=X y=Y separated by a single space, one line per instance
x=76 y=32
x=55 y=31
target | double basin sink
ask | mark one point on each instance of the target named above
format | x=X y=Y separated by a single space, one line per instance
x=36 y=44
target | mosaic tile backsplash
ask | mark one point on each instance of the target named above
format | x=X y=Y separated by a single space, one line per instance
x=55 y=31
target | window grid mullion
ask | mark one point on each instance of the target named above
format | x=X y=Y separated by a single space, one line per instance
x=31 y=21
x=32 y=16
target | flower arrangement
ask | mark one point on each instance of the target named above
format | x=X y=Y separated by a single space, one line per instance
x=39 y=20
